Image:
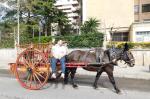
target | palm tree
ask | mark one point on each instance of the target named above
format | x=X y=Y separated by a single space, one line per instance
x=61 y=19
x=90 y=26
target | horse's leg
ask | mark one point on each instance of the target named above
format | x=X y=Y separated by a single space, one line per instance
x=99 y=72
x=109 y=71
x=66 y=75
x=73 y=71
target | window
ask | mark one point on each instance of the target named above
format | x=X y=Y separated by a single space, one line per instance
x=121 y=36
x=143 y=36
x=143 y=33
x=146 y=20
x=136 y=9
x=136 y=20
x=146 y=8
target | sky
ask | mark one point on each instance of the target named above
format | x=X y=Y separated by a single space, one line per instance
x=3 y=8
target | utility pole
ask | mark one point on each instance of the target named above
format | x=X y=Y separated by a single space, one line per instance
x=15 y=38
x=39 y=34
x=33 y=32
x=105 y=36
x=18 y=16
x=0 y=36
x=40 y=29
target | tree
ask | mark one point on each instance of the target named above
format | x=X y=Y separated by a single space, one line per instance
x=47 y=10
x=63 y=23
x=90 y=26
x=32 y=12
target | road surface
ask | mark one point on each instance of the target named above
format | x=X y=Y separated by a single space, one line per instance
x=130 y=89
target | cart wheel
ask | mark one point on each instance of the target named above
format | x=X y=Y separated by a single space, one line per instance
x=32 y=69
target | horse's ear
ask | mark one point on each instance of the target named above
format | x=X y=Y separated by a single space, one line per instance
x=126 y=47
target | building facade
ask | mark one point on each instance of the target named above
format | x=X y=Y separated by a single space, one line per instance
x=140 y=32
x=140 y=29
x=116 y=17
x=121 y=20
x=142 y=10
x=71 y=8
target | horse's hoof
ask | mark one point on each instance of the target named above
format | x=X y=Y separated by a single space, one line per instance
x=118 y=91
x=65 y=82
x=95 y=86
x=75 y=86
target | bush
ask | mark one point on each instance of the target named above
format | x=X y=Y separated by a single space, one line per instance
x=80 y=41
x=132 y=45
x=7 y=43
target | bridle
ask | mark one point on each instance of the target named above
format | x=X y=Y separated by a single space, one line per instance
x=128 y=60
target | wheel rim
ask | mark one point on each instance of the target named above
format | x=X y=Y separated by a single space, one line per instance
x=32 y=69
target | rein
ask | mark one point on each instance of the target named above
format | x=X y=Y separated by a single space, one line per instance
x=128 y=60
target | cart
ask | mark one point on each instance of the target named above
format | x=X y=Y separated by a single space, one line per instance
x=32 y=67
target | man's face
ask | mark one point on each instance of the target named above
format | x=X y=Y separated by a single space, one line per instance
x=60 y=42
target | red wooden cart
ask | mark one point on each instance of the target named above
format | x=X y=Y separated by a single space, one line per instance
x=32 y=67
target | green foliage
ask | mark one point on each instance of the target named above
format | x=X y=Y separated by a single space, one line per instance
x=47 y=10
x=43 y=39
x=80 y=41
x=90 y=26
x=131 y=45
x=7 y=42
x=31 y=11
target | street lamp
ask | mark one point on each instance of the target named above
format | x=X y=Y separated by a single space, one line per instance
x=18 y=16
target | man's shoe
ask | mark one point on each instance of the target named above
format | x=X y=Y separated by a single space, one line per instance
x=53 y=76
x=62 y=75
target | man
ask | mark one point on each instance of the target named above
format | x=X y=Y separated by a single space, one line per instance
x=59 y=52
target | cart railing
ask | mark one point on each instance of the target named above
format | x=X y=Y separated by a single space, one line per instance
x=45 y=48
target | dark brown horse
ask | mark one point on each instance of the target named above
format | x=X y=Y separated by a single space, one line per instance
x=108 y=66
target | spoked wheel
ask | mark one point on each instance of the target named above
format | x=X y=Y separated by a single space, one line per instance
x=32 y=69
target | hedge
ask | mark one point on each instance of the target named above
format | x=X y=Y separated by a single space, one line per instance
x=80 y=41
x=132 y=45
x=7 y=43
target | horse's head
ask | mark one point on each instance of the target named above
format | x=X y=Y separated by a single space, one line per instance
x=128 y=58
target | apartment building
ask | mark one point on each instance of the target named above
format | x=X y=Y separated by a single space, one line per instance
x=121 y=20
x=71 y=8
x=142 y=10
x=140 y=29
x=116 y=16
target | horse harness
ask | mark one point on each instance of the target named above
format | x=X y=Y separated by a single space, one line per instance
x=87 y=53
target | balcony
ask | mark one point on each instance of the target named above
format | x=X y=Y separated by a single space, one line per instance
x=72 y=14
x=65 y=2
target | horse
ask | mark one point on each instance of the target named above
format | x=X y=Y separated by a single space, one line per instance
x=108 y=66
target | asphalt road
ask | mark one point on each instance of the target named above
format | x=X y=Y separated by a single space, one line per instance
x=10 y=89
x=87 y=80
x=130 y=89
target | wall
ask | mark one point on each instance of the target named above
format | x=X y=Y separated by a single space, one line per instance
x=142 y=57
x=117 y=13
x=139 y=27
x=141 y=16
x=7 y=56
